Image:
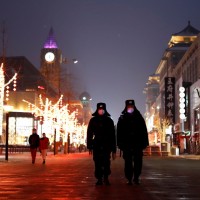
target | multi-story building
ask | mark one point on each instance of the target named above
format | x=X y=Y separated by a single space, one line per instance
x=187 y=75
x=179 y=67
x=25 y=93
x=28 y=86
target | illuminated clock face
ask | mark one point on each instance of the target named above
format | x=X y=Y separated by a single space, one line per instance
x=49 y=56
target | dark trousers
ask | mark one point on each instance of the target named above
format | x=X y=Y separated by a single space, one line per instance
x=133 y=164
x=33 y=153
x=102 y=164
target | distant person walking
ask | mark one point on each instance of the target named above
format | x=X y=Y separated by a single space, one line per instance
x=132 y=139
x=34 y=141
x=101 y=141
x=44 y=144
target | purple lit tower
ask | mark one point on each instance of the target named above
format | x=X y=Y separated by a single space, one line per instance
x=50 y=61
x=51 y=41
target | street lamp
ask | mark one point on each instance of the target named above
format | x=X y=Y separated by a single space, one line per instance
x=7 y=108
x=75 y=61
x=41 y=121
x=7 y=127
x=64 y=75
x=55 y=120
x=67 y=61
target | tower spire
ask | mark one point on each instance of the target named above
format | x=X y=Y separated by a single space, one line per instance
x=51 y=41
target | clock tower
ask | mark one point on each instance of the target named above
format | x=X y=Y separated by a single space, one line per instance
x=50 y=61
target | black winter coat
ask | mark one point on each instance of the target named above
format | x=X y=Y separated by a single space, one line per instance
x=132 y=132
x=34 y=141
x=101 y=134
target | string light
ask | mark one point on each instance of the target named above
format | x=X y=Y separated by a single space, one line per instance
x=7 y=93
x=15 y=84
x=57 y=116
x=4 y=85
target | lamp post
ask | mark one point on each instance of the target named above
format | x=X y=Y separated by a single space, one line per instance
x=55 y=120
x=68 y=142
x=7 y=134
x=66 y=61
x=55 y=141
x=7 y=110
x=41 y=120
x=64 y=79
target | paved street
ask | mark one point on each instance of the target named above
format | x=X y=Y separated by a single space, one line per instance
x=71 y=177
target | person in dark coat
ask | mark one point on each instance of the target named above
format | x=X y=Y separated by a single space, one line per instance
x=34 y=141
x=132 y=139
x=101 y=140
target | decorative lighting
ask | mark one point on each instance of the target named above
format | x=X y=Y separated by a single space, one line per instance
x=182 y=102
x=4 y=85
x=65 y=123
x=14 y=84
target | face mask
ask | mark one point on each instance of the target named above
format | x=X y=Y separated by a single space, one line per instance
x=130 y=110
x=101 y=111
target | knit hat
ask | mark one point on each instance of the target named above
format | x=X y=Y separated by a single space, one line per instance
x=101 y=106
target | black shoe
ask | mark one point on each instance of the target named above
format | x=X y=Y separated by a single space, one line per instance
x=136 y=181
x=43 y=162
x=99 y=182
x=33 y=161
x=129 y=182
x=106 y=181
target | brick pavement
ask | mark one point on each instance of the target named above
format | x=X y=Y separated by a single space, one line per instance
x=70 y=176
x=62 y=177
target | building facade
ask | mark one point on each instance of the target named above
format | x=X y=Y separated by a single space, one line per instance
x=179 y=67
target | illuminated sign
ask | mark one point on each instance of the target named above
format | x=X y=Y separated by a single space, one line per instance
x=182 y=102
x=170 y=99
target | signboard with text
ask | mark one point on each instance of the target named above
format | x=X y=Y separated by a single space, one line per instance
x=170 y=99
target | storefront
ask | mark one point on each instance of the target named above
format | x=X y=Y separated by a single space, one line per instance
x=20 y=126
x=195 y=118
x=181 y=139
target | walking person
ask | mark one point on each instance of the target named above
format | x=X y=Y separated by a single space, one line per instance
x=132 y=139
x=44 y=144
x=101 y=141
x=34 y=141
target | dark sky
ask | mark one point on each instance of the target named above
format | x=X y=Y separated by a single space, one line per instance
x=118 y=43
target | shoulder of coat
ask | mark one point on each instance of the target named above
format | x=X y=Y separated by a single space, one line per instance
x=121 y=117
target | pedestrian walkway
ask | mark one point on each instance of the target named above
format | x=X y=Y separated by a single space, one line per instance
x=71 y=177
x=187 y=156
x=62 y=177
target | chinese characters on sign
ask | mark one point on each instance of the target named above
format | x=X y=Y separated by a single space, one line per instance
x=170 y=99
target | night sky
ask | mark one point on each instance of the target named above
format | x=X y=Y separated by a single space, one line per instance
x=118 y=43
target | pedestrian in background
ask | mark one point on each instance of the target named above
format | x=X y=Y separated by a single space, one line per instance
x=34 y=141
x=132 y=139
x=44 y=145
x=101 y=140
